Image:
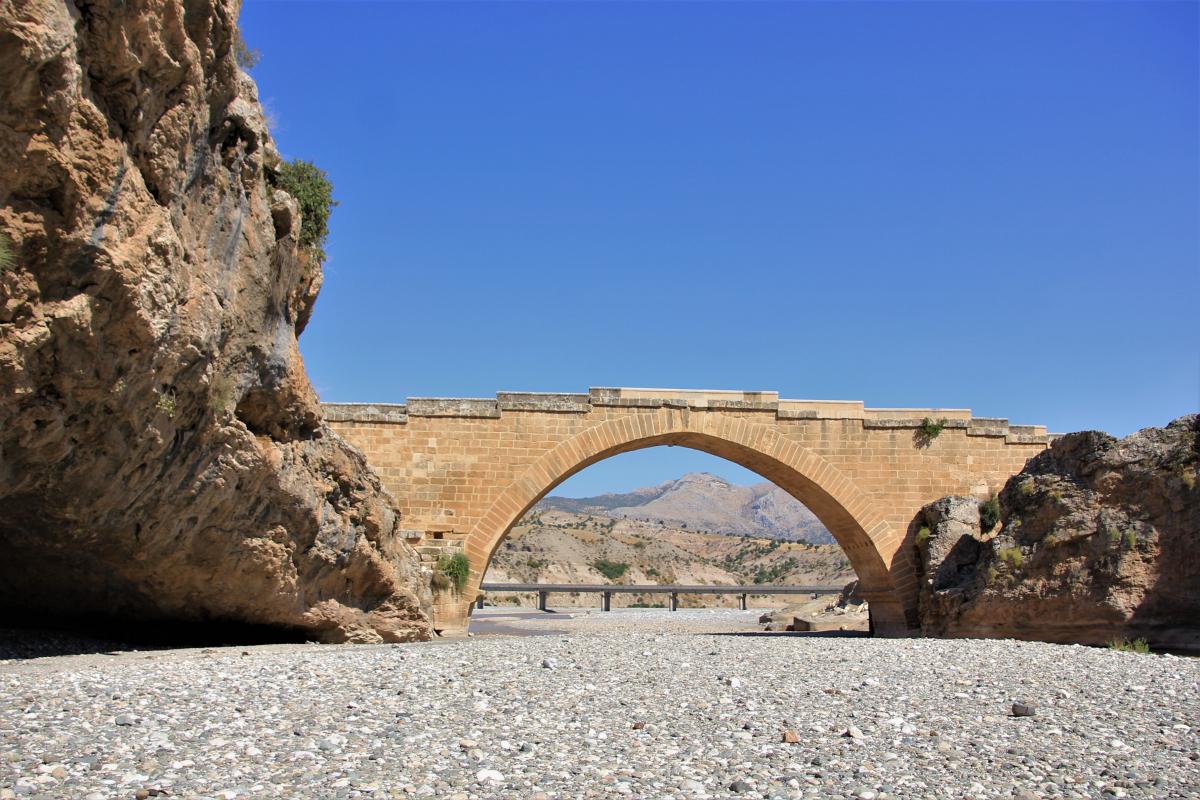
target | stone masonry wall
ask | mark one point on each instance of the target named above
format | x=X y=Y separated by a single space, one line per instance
x=463 y=470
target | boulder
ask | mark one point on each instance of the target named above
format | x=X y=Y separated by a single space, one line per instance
x=1099 y=540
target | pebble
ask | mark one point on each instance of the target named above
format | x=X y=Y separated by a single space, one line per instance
x=641 y=705
x=489 y=776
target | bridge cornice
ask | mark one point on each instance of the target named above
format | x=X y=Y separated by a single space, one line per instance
x=766 y=402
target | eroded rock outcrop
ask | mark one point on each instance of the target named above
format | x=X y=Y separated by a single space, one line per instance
x=162 y=454
x=1099 y=540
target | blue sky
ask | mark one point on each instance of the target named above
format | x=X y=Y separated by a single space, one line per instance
x=993 y=205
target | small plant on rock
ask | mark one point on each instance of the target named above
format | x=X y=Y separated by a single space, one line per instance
x=310 y=186
x=989 y=513
x=1012 y=556
x=1130 y=646
x=927 y=431
x=166 y=403
x=456 y=569
x=1129 y=539
x=7 y=259
x=247 y=57
x=222 y=391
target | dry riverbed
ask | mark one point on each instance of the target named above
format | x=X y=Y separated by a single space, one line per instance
x=642 y=704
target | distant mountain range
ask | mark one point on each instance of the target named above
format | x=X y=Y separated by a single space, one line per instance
x=701 y=501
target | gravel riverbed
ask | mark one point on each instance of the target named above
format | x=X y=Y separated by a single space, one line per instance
x=644 y=704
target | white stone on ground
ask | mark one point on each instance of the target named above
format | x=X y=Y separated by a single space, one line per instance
x=637 y=704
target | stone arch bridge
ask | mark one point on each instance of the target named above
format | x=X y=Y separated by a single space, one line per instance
x=464 y=471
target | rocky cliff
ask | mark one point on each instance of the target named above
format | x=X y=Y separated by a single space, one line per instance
x=162 y=455
x=1098 y=540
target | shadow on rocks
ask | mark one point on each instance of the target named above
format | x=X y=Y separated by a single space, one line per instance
x=81 y=637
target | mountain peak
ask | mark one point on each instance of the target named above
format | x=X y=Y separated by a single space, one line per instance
x=707 y=502
x=701 y=477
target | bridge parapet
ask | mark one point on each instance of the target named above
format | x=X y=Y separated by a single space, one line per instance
x=690 y=399
x=365 y=412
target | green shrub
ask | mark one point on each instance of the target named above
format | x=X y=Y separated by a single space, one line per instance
x=610 y=569
x=7 y=258
x=310 y=186
x=1187 y=476
x=456 y=568
x=927 y=431
x=223 y=391
x=1127 y=646
x=989 y=513
x=1130 y=539
x=1051 y=540
x=923 y=535
x=246 y=57
x=1114 y=535
x=166 y=403
x=1012 y=556
x=1027 y=487
x=992 y=574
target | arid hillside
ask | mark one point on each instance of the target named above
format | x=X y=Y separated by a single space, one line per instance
x=555 y=546
x=704 y=502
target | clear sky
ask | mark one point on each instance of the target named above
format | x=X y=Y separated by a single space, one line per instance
x=991 y=205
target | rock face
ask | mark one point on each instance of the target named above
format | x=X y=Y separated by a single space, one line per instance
x=1099 y=540
x=162 y=454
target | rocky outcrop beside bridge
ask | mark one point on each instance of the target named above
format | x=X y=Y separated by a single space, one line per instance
x=162 y=455
x=1098 y=540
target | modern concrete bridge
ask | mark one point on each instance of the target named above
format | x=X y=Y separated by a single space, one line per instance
x=464 y=471
x=607 y=590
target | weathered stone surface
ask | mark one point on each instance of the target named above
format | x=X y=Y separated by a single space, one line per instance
x=162 y=454
x=1098 y=541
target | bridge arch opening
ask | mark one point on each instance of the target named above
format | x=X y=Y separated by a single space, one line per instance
x=842 y=508
x=463 y=470
x=666 y=516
